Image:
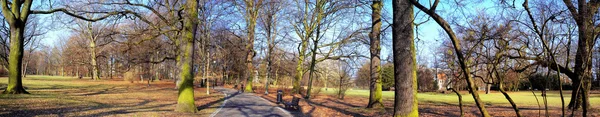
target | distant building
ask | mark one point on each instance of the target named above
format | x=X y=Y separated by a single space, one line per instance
x=441 y=81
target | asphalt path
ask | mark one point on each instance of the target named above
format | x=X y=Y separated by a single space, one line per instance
x=239 y=104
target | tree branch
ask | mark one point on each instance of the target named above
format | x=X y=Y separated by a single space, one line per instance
x=108 y=14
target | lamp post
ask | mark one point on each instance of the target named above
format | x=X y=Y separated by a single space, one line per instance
x=207 y=77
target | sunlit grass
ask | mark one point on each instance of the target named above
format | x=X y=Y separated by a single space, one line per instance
x=521 y=98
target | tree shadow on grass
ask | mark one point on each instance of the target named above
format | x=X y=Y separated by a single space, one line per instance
x=90 y=90
x=341 y=110
x=74 y=110
x=433 y=111
x=344 y=103
x=82 y=101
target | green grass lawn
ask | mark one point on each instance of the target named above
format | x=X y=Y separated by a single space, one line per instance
x=521 y=98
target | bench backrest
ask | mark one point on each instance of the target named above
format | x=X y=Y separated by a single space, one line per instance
x=295 y=100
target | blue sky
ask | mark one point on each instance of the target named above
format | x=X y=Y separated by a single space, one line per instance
x=429 y=34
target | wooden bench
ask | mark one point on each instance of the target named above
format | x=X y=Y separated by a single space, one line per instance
x=293 y=104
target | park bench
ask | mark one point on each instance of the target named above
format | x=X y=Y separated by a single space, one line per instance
x=293 y=104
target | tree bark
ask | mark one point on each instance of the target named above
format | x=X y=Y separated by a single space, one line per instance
x=16 y=17
x=583 y=16
x=460 y=102
x=15 y=60
x=185 y=101
x=309 y=23
x=375 y=98
x=252 y=8
x=500 y=86
x=206 y=72
x=405 y=72
x=95 y=74
x=299 y=67
x=25 y=69
x=312 y=63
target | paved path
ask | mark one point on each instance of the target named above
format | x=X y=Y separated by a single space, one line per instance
x=248 y=105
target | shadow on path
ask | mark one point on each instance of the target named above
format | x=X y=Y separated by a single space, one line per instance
x=246 y=104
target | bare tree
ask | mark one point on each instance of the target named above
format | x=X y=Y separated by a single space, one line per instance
x=457 y=48
x=17 y=15
x=375 y=98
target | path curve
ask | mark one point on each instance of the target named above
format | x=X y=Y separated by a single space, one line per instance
x=247 y=105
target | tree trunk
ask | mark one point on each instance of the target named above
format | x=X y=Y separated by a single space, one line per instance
x=276 y=78
x=95 y=74
x=583 y=65
x=15 y=60
x=375 y=69
x=312 y=63
x=110 y=70
x=185 y=101
x=326 y=79
x=251 y=16
x=206 y=72
x=299 y=67
x=457 y=48
x=271 y=30
x=584 y=17
x=405 y=72
x=340 y=91
x=460 y=102
x=25 y=69
x=501 y=88
x=267 y=82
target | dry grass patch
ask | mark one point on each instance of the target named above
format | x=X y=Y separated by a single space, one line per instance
x=60 y=96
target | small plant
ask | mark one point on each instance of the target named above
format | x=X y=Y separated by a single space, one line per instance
x=344 y=82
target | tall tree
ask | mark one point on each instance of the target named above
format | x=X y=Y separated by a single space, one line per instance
x=185 y=101
x=251 y=11
x=270 y=22
x=583 y=15
x=582 y=12
x=305 y=27
x=457 y=48
x=17 y=15
x=96 y=36
x=318 y=17
x=16 y=18
x=375 y=49
x=405 y=61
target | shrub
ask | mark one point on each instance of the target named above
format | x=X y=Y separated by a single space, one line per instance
x=131 y=76
x=387 y=76
x=316 y=91
x=541 y=81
